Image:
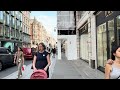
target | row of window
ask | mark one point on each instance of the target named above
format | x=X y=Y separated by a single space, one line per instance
x=10 y=32
x=26 y=29
x=10 y=21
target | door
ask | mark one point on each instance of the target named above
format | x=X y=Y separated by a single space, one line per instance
x=101 y=45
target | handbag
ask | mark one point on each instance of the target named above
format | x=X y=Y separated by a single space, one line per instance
x=19 y=60
x=23 y=67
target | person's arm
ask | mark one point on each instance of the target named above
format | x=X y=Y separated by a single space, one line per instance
x=23 y=58
x=49 y=62
x=34 y=62
x=15 y=56
x=107 y=71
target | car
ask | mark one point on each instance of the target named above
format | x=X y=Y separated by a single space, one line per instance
x=6 y=58
x=27 y=53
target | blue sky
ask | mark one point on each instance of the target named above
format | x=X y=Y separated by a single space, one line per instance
x=48 y=20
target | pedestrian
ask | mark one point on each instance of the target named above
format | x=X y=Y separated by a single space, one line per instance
x=41 y=59
x=112 y=69
x=36 y=50
x=54 y=52
x=19 y=60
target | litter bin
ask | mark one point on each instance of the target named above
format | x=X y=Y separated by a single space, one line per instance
x=92 y=64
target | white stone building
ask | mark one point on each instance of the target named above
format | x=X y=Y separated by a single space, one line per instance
x=66 y=34
x=86 y=37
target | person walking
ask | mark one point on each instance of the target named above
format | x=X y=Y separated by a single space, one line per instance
x=41 y=59
x=54 y=52
x=112 y=70
x=19 y=60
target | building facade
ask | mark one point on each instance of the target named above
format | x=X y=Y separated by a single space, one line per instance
x=97 y=32
x=11 y=29
x=107 y=33
x=35 y=29
x=38 y=33
x=26 y=29
x=86 y=36
x=66 y=34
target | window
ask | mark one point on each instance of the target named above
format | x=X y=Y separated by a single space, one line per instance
x=24 y=20
x=118 y=30
x=15 y=33
x=1 y=29
x=16 y=23
x=7 y=31
x=111 y=35
x=20 y=16
x=107 y=13
x=13 y=22
x=24 y=29
x=8 y=19
x=102 y=45
x=1 y=15
x=12 y=32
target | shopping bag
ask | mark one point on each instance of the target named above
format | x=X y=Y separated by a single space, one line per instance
x=23 y=67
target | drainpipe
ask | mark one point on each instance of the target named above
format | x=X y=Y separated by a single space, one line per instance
x=75 y=20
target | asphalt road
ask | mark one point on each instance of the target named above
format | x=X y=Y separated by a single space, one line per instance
x=9 y=70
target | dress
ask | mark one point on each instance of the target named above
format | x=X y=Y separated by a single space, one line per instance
x=41 y=61
x=115 y=73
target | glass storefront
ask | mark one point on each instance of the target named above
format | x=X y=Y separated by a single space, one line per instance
x=118 y=29
x=111 y=36
x=101 y=45
x=108 y=35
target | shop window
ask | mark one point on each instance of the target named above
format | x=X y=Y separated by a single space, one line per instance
x=118 y=30
x=111 y=35
x=101 y=45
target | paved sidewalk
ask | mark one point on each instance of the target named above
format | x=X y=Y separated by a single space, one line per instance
x=28 y=71
x=75 y=69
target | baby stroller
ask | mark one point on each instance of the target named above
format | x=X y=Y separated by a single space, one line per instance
x=39 y=74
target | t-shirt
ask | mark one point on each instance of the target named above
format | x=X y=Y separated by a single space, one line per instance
x=41 y=60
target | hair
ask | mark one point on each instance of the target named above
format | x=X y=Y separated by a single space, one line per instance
x=114 y=49
x=43 y=45
x=20 y=49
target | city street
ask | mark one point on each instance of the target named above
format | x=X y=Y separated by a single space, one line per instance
x=75 y=69
x=62 y=69
x=28 y=71
x=7 y=71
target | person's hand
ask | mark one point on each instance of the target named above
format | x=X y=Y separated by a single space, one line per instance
x=34 y=69
x=14 y=62
x=45 y=69
x=110 y=61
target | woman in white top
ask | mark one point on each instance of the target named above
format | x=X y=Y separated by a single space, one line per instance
x=112 y=71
